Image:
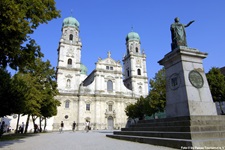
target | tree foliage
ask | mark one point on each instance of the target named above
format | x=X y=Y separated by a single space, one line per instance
x=157 y=94
x=217 y=84
x=33 y=94
x=18 y=20
x=138 y=110
x=40 y=79
x=30 y=92
x=154 y=102
x=130 y=111
x=34 y=85
x=18 y=95
x=5 y=95
x=12 y=94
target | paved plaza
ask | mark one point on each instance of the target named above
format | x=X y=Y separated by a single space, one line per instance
x=79 y=140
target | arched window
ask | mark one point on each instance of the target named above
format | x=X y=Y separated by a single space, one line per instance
x=109 y=85
x=68 y=83
x=110 y=107
x=71 y=37
x=67 y=104
x=69 y=62
x=88 y=107
x=136 y=49
x=139 y=71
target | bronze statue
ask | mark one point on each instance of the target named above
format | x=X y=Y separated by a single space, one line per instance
x=178 y=33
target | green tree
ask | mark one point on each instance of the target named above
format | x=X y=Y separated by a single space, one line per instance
x=154 y=102
x=33 y=98
x=12 y=94
x=157 y=94
x=18 y=93
x=18 y=20
x=43 y=76
x=130 y=111
x=217 y=85
x=5 y=95
x=139 y=109
x=49 y=91
x=136 y=110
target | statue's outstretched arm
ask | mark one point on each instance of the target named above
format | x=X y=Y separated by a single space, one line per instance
x=189 y=23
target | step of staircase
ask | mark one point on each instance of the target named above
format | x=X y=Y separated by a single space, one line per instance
x=174 y=143
x=177 y=135
x=178 y=128
x=177 y=132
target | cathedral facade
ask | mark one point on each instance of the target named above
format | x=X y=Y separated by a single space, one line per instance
x=102 y=96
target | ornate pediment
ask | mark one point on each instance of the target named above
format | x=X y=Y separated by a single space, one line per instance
x=108 y=60
x=109 y=78
x=69 y=76
x=140 y=83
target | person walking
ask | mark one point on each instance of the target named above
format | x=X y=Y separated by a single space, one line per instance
x=87 y=127
x=74 y=126
x=35 y=128
x=2 y=128
x=22 y=127
x=61 y=127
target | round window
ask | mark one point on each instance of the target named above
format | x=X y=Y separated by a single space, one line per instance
x=14 y=116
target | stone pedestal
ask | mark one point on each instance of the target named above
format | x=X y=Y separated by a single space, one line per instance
x=187 y=89
x=192 y=121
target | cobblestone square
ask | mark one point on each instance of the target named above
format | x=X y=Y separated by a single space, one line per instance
x=80 y=140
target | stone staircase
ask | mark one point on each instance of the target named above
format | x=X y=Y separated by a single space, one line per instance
x=179 y=132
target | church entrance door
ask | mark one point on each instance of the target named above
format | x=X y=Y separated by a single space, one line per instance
x=110 y=122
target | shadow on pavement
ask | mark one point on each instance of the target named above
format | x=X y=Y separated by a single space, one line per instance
x=10 y=139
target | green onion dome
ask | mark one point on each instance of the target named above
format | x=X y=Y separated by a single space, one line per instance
x=132 y=36
x=70 y=21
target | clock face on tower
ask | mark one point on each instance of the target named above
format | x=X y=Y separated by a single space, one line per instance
x=196 y=79
x=138 y=61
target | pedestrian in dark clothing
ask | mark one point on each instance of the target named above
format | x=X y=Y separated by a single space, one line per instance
x=35 y=128
x=2 y=128
x=61 y=127
x=74 y=126
x=22 y=127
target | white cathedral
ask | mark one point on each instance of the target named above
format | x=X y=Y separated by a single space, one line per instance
x=102 y=96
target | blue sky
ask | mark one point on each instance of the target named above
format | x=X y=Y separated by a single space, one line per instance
x=104 y=25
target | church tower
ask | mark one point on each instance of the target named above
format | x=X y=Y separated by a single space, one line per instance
x=134 y=66
x=69 y=69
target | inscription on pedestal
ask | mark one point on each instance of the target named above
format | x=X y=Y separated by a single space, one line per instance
x=174 y=81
